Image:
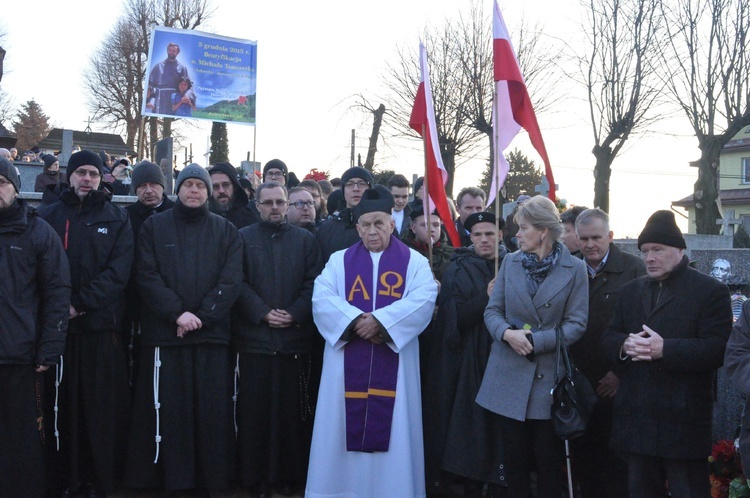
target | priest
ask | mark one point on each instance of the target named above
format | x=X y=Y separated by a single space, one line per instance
x=370 y=304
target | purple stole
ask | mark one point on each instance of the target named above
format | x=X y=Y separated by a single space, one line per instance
x=371 y=370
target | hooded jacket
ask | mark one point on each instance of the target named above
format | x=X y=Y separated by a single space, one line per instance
x=240 y=214
x=34 y=289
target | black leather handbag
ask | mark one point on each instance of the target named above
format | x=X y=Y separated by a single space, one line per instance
x=573 y=398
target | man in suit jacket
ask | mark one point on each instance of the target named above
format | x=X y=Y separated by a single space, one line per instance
x=667 y=334
x=599 y=470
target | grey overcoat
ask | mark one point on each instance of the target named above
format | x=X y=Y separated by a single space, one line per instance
x=512 y=385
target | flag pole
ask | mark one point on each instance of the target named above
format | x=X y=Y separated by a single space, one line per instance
x=496 y=173
x=426 y=198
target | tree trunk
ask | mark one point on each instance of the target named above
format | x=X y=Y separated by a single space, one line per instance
x=706 y=188
x=602 y=174
x=166 y=127
x=373 y=148
x=153 y=130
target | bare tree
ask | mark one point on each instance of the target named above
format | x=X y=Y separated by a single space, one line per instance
x=461 y=72
x=537 y=63
x=450 y=90
x=620 y=80
x=114 y=80
x=708 y=77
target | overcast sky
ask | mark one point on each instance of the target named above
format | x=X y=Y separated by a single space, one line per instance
x=313 y=57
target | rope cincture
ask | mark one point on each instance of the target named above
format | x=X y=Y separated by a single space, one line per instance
x=236 y=392
x=58 y=381
x=157 y=365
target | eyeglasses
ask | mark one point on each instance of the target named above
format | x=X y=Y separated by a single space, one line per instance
x=82 y=173
x=359 y=185
x=271 y=203
x=222 y=186
x=302 y=204
x=274 y=174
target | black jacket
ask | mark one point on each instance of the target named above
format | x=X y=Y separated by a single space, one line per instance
x=139 y=213
x=98 y=240
x=34 y=289
x=604 y=291
x=663 y=407
x=463 y=234
x=457 y=428
x=188 y=260
x=337 y=233
x=280 y=264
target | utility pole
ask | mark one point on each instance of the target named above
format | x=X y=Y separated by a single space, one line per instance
x=351 y=160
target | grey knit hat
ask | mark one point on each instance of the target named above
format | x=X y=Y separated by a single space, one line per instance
x=9 y=171
x=145 y=172
x=195 y=171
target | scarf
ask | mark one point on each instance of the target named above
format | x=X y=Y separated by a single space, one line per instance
x=536 y=271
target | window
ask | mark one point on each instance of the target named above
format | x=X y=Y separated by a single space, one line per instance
x=746 y=170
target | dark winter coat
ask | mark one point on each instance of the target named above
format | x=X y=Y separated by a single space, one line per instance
x=47 y=178
x=463 y=234
x=604 y=290
x=139 y=213
x=34 y=289
x=280 y=264
x=98 y=240
x=663 y=407
x=337 y=233
x=737 y=367
x=188 y=260
x=460 y=436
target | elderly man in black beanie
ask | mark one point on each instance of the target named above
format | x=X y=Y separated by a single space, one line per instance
x=98 y=240
x=370 y=303
x=667 y=337
x=229 y=198
x=189 y=272
x=339 y=232
x=35 y=290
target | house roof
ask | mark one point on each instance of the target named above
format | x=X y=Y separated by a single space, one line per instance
x=109 y=142
x=737 y=145
x=727 y=197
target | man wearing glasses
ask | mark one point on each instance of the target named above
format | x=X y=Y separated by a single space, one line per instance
x=229 y=198
x=273 y=335
x=98 y=240
x=275 y=170
x=301 y=209
x=340 y=232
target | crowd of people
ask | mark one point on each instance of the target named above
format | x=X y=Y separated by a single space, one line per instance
x=327 y=337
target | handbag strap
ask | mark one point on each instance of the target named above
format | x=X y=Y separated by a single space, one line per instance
x=561 y=355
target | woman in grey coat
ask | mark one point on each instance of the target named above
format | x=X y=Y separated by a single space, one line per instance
x=538 y=288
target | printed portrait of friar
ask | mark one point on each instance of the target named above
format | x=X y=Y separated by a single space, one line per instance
x=721 y=270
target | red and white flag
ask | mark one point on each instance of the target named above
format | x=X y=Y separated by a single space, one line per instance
x=512 y=108
x=422 y=120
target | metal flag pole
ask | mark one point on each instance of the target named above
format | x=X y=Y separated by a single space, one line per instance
x=426 y=197
x=496 y=174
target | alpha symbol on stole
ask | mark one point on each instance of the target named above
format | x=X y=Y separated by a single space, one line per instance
x=358 y=286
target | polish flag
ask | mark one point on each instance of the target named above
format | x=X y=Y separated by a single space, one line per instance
x=512 y=108
x=422 y=120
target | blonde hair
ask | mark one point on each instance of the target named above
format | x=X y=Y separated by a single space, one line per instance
x=540 y=213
